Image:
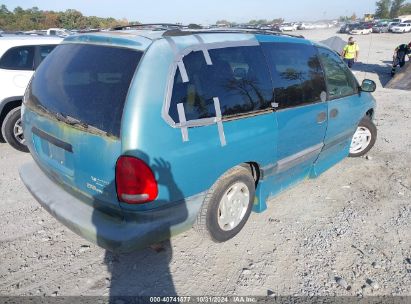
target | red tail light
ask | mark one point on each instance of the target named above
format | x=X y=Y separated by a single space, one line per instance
x=135 y=181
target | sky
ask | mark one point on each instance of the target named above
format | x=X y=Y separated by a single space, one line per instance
x=205 y=11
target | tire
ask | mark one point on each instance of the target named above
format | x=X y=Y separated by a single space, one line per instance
x=364 y=141
x=7 y=130
x=209 y=223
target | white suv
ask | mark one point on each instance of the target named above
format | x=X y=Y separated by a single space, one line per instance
x=402 y=28
x=19 y=57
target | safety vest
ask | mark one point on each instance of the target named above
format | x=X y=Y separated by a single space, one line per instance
x=350 y=51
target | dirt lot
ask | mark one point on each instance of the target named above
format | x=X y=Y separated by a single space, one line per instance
x=353 y=223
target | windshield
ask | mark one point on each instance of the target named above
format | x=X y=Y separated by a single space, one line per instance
x=85 y=85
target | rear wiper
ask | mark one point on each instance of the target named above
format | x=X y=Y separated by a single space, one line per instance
x=58 y=116
x=44 y=109
x=74 y=121
x=77 y=122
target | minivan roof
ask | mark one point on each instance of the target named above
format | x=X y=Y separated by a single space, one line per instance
x=142 y=38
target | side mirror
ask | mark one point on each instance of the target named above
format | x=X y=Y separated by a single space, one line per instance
x=368 y=85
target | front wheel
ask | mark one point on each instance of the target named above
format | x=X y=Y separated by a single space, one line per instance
x=364 y=138
x=227 y=205
x=12 y=130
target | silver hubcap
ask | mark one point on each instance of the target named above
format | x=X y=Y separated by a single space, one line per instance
x=233 y=206
x=18 y=131
x=360 y=140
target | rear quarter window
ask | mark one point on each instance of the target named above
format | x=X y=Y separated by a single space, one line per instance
x=238 y=76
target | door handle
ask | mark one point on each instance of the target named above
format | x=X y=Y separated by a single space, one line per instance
x=321 y=117
x=333 y=113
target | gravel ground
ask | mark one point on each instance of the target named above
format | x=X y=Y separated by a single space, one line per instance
x=344 y=233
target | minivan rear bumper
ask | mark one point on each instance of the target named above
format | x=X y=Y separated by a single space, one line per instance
x=136 y=230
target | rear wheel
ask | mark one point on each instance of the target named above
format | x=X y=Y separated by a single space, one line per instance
x=227 y=205
x=12 y=130
x=364 y=138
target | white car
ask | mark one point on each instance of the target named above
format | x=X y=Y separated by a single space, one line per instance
x=401 y=28
x=305 y=26
x=288 y=27
x=19 y=57
x=391 y=25
x=361 y=31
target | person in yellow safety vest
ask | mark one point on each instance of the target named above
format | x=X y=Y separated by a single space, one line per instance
x=350 y=52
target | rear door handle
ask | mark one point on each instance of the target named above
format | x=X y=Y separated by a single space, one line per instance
x=321 y=117
x=333 y=113
x=55 y=141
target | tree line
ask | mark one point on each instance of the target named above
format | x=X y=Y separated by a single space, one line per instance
x=252 y=22
x=35 y=19
x=392 y=8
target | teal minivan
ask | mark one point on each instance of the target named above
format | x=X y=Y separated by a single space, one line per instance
x=137 y=135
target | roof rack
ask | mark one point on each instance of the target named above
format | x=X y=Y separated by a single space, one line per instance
x=182 y=32
x=152 y=26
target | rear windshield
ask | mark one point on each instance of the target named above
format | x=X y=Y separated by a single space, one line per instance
x=86 y=82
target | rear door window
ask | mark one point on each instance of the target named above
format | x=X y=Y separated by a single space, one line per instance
x=86 y=82
x=340 y=81
x=18 y=58
x=296 y=71
x=238 y=76
x=42 y=53
x=45 y=50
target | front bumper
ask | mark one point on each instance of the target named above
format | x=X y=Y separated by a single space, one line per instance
x=136 y=230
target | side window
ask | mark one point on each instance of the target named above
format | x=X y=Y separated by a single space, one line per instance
x=18 y=58
x=297 y=75
x=340 y=81
x=45 y=50
x=238 y=76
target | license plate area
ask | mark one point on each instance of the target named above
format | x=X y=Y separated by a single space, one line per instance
x=55 y=152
